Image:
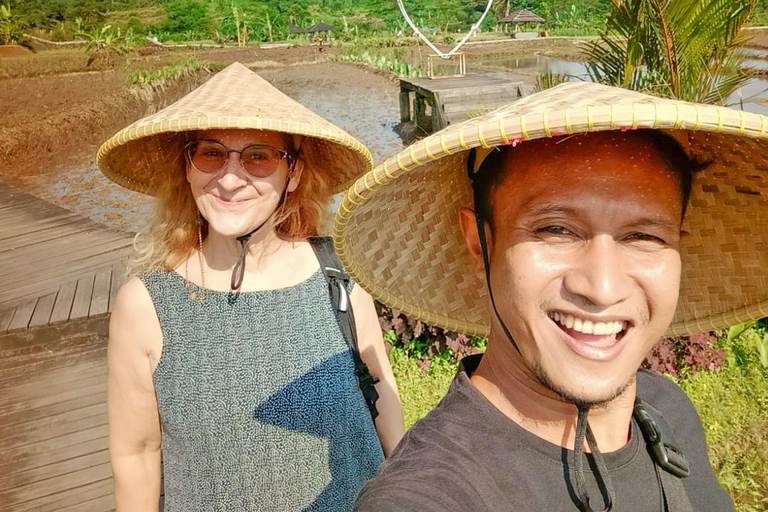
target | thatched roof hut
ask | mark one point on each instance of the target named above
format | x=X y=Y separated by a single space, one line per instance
x=521 y=16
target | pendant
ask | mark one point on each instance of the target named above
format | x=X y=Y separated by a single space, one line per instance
x=192 y=296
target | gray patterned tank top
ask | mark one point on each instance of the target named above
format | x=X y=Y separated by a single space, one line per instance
x=259 y=405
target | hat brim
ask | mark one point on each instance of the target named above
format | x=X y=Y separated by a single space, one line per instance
x=146 y=151
x=235 y=98
x=397 y=232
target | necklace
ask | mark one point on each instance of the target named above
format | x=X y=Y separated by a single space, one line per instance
x=192 y=294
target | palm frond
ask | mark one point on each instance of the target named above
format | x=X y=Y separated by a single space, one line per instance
x=686 y=49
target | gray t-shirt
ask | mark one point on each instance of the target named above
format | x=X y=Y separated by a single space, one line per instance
x=466 y=455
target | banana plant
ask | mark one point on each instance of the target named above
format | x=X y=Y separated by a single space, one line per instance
x=11 y=26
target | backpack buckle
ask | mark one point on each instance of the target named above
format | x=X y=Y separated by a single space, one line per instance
x=665 y=455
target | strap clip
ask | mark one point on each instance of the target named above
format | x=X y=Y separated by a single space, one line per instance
x=665 y=454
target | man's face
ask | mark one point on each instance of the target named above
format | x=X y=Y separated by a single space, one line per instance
x=585 y=263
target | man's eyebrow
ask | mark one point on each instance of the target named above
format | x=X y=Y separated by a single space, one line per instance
x=550 y=208
x=656 y=222
x=646 y=221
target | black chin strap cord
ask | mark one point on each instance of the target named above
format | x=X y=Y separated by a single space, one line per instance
x=582 y=426
x=484 y=245
x=238 y=272
x=584 y=430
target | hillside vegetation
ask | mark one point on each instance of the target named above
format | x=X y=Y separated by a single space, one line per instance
x=269 y=20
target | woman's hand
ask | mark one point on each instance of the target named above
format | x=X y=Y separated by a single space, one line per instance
x=135 y=341
x=389 y=423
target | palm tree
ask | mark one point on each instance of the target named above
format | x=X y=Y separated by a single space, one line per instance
x=684 y=49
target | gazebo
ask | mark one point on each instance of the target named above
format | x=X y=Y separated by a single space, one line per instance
x=522 y=16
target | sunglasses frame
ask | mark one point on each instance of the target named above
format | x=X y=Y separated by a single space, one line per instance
x=284 y=154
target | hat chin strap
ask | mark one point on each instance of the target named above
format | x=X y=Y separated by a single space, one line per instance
x=583 y=430
x=238 y=272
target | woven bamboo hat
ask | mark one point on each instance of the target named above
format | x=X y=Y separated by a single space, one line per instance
x=398 y=235
x=236 y=97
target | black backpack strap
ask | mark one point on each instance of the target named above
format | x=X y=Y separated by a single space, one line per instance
x=669 y=460
x=338 y=281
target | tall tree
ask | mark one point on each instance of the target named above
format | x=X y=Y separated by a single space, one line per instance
x=685 y=49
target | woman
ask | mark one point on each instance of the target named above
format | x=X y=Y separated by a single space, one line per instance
x=225 y=352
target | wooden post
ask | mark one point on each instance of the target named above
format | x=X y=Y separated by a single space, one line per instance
x=405 y=105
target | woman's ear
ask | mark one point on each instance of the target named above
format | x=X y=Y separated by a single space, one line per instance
x=294 y=176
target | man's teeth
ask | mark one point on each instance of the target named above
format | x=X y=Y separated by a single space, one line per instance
x=588 y=326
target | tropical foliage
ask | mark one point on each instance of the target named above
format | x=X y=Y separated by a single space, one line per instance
x=11 y=25
x=685 y=49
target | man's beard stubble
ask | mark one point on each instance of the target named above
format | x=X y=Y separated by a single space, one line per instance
x=572 y=398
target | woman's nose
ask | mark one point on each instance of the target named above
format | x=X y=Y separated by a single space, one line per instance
x=233 y=175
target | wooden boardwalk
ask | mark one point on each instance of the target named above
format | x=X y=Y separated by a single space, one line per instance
x=440 y=102
x=55 y=265
x=53 y=422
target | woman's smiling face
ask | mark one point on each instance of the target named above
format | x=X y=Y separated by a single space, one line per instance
x=233 y=201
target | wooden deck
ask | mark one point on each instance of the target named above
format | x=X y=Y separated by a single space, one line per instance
x=53 y=422
x=55 y=266
x=440 y=102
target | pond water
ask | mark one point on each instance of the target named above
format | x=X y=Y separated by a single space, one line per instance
x=752 y=97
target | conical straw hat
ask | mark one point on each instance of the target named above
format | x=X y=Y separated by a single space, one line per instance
x=236 y=97
x=397 y=229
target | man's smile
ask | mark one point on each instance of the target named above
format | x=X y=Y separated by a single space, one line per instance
x=591 y=338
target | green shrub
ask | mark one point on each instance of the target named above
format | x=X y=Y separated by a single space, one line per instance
x=733 y=405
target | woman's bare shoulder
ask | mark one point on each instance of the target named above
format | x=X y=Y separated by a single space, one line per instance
x=134 y=315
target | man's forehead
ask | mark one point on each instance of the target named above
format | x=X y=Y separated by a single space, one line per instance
x=595 y=171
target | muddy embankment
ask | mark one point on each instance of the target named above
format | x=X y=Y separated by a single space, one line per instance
x=40 y=139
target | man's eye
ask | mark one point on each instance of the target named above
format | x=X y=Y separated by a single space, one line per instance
x=554 y=230
x=644 y=237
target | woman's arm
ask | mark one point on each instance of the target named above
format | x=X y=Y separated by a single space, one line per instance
x=389 y=423
x=134 y=424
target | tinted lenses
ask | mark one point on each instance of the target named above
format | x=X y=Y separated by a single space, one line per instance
x=210 y=156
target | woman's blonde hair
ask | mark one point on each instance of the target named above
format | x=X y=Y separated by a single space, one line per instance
x=173 y=232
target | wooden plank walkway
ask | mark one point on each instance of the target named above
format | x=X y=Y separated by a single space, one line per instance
x=55 y=265
x=53 y=422
x=440 y=102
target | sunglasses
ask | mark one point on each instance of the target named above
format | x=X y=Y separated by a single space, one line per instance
x=258 y=160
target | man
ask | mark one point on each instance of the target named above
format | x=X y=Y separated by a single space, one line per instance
x=577 y=233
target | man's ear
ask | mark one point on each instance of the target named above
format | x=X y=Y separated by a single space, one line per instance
x=295 y=175
x=468 y=224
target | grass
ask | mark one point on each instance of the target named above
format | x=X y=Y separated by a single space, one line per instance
x=382 y=62
x=420 y=390
x=155 y=78
x=732 y=403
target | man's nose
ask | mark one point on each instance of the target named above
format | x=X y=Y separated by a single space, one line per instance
x=601 y=276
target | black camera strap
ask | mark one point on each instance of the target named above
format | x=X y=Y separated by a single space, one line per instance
x=669 y=461
x=338 y=280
